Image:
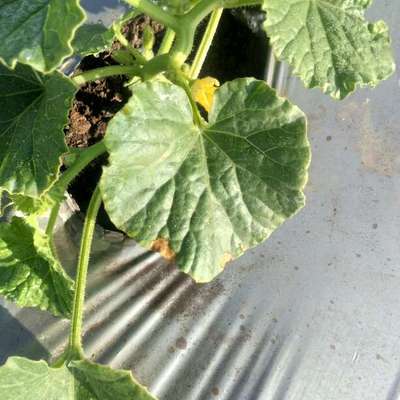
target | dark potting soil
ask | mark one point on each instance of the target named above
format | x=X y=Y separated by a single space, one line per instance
x=97 y=102
x=239 y=50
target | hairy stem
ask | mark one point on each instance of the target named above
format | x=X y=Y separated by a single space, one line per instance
x=206 y=43
x=104 y=72
x=167 y=42
x=52 y=220
x=200 y=11
x=157 y=65
x=85 y=158
x=187 y=28
x=75 y=341
x=155 y=12
x=122 y=39
x=50 y=227
x=197 y=118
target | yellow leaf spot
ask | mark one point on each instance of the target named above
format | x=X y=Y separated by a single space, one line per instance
x=203 y=91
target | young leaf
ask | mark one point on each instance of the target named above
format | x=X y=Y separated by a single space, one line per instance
x=92 y=39
x=202 y=196
x=29 y=274
x=21 y=378
x=33 y=112
x=38 y=32
x=329 y=44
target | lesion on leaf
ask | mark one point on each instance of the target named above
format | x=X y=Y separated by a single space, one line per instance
x=161 y=246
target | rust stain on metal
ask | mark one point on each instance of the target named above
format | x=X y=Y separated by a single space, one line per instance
x=377 y=145
x=181 y=343
x=162 y=246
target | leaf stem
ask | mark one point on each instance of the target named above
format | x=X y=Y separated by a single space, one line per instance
x=167 y=42
x=75 y=341
x=50 y=227
x=84 y=158
x=197 y=118
x=52 y=220
x=206 y=42
x=200 y=11
x=187 y=28
x=104 y=72
x=124 y=42
x=155 y=12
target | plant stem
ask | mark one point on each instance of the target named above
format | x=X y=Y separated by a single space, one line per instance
x=82 y=161
x=200 y=11
x=50 y=227
x=75 y=341
x=155 y=12
x=206 y=42
x=104 y=72
x=122 y=39
x=52 y=220
x=197 y=118
x=157 y=65
x=167 y=42
x=187 y=28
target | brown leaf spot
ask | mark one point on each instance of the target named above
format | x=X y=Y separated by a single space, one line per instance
x=162 y=246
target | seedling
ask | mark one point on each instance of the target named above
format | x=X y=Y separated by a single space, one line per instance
x=200 y=190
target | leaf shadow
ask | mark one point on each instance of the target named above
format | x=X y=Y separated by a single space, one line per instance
x=17 y=340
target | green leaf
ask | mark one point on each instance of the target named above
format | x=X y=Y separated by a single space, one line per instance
x=92 y=39
x=33 y=206
x=29 y=274
x=33 y=112
x=38 y=32
x=22 y=379
x=202 y=196
x=329 y=44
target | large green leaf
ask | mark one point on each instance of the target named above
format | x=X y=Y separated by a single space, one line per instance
x=202 y=196
x=22 y=379
x=38 y=32
x=29 y=274
x=92 y=39
x=329 y=44
x=33 y=112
